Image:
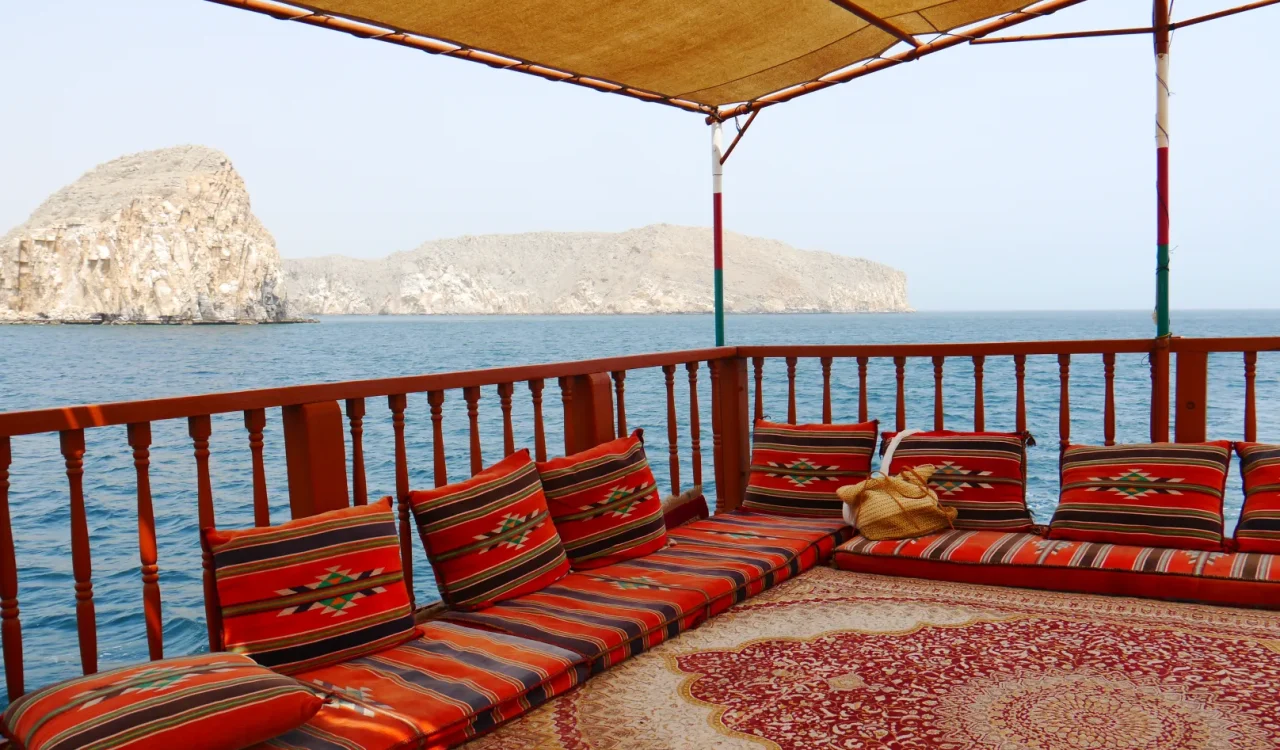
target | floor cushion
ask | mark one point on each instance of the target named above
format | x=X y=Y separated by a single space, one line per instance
x=448 y=685
x=312 y=591
x=796 y=469
x=605 y=503
x=1030 y=561
x=490 y=537
x=983 y=475
x=206 y=702
x=1259 y=527
x=1144 y=495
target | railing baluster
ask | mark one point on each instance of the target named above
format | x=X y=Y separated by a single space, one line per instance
x=508 y=431
x=566 y=398
x=939 y=418
x=620 y=392
x=355 y=419
x=791 y=390
x=1160 y=391
x=1109 y=398
x=199 y=428
x=72 y=443
x=826 y=390
x=1020 y=375
x=862 y=389
x=255 y=421
x=673 y=456
x=472 y=397
x=1250 y=402
x=758 y=364
x=539 y=429
x=717 y=430
x=140 y=441
x=440 y=469
x=397 y=403
x=900 y=371
x=695 y=426
x=1064 y=401
x=979 y=401
x=10 y=622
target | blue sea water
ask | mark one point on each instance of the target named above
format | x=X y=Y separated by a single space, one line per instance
x=57 y=366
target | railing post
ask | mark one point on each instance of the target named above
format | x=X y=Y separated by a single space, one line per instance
x=1191 y=423
x=733 y=415
x=10 y=624
x=1160 y=390
x=589 y=411
x=316 y=458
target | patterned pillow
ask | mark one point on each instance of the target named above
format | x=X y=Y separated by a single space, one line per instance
x=1259 y=527
x=605 y=503
x=983 y=475
x=312 y=591
x=1148 y=495
x=796 y=469
x=490 y=538
x=207 y=702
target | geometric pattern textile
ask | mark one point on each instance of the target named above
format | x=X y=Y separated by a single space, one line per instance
x=796 y=469
x=206 y=702
x=1259 y=527
x=314 y=590
x=605 y=503
x=490 y=537
x=983 y=475
x=1146 y=495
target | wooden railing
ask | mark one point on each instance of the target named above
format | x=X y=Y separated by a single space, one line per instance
x=319 y=421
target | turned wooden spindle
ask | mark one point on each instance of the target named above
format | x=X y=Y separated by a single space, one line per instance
x=619 y=390
x=979 y=400
x=566 y=399
x=472 y=397
x=1109 y=398
x=505 y=390
x=539 y=428
x=826 y=390
x=355 y=420
x=862 y=388
x=1020 y=375
x=255 y=421
x=1064 y=401
x=140 y=442
x=673 y=455
x=199 y=428
x=435 y=399
x=72 y=444
x=757 y=363
x=1250 y=398
x=397 y=404
x=791 y=390
x=939 y=417
x=695 y=424
x=10 y=620
x=900 y=372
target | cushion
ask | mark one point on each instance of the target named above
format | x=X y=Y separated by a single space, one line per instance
x=983 y=475
x=605 y=503
x=208 y=702
x=490 y=538
x=314 y=590
x=796 y=469
x=1259 y=527
x=1146 y=495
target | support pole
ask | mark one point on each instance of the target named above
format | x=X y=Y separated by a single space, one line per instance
x=717 y=224
x=1160 y=26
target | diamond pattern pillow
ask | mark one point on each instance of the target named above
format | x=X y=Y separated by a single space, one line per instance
x=206 y=702
x=1259 y=527
x=796 y=469
x=605 y=503
x=312 y=591
x=490 y=538
x=983 y=475
x=1148 y=495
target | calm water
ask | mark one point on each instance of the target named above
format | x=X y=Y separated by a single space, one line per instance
x=51 y=366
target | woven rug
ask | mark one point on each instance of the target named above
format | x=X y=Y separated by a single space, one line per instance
x=840 y=660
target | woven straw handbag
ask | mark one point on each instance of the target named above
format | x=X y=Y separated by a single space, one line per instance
x=897 y=507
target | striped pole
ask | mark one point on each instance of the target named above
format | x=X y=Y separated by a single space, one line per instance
x=717 y=224
x=1160 y=25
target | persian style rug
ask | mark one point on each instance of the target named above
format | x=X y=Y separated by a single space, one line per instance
x=840 y=660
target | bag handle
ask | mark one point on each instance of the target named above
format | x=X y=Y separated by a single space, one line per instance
x=886 y=459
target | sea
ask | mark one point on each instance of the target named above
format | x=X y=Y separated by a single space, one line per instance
x=50 y=366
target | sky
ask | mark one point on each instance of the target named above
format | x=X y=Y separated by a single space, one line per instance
x=998 y=177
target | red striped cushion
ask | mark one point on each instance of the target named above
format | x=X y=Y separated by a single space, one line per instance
x=207 y=702
x=983 y=475
x=312 y=591
x=1146 y=495
x=605 y=503
x=796 y=469
x=490 y=538
x=1259 y=527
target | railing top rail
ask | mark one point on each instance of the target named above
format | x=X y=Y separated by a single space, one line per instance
x=1009 y=348
x=151 y=410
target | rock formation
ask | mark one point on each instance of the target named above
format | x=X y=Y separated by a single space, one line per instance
x=656 y=269
x=161 y=236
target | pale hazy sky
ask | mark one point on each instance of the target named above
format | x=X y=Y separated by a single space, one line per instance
x=998 y=177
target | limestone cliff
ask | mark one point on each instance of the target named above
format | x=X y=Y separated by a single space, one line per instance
x=656 y=269
x=161 y=236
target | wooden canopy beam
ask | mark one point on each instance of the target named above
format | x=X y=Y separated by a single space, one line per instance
x=1126 y=32
x=885 y=25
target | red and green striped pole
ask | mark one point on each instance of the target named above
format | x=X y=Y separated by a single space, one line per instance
x=717 y=225
x=1160 y=24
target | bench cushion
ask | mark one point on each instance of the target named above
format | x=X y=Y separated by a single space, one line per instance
x=1259 y=527
x=796 y=469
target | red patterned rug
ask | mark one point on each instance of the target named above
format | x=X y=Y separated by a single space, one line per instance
x=839 y=660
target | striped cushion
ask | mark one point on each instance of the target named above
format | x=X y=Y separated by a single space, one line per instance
x=1259 y=527
x=490 y=538
x=796 y=469
x=605 y=503
x=208 y=702
x=312 y=591
x=437 y=691
x=1148 y=495
x=983 y=475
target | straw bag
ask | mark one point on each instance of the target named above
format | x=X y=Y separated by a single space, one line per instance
x=896 y=507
